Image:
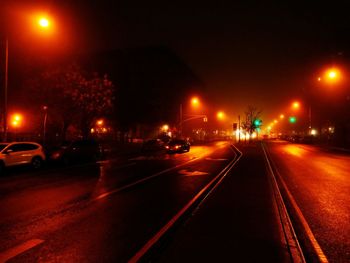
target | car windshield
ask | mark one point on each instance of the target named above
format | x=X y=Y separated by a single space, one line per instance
x=3 y=145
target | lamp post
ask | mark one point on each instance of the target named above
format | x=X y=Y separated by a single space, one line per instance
x=42 y=22
x=5 y=88
x=45 y=108
x=195 y=102
x=330 y=76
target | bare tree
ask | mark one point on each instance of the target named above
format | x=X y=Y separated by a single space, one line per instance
x=72 y=97
x=251 y=115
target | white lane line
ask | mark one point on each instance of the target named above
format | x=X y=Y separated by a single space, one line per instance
x=15 y=251
x=321 y=256
x=212 y=159
x=172 y=221
x=191 y=173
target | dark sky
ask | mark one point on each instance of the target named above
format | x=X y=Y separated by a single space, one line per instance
x=262 y=54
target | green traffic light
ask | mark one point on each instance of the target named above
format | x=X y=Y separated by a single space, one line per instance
x=257 y=122
x=292 y=119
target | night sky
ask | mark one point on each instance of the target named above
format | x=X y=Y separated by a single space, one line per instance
x=262 y=54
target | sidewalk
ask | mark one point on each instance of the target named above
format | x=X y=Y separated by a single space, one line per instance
x=237 y=223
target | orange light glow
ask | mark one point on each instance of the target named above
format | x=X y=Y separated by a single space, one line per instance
x=333 y=75
x=195 y=102
x=165 y=127
x=282 y=116
x=99 y=122
x=220 y=115
x=296 y=105
x=43 y=22
x=275 y=121
x=16 y=120
x=295 y=150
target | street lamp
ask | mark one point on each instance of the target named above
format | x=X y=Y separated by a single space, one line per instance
x=220 y=115
x=42 y=22
x=16 y=121
x=296 y=105
x=195 y=102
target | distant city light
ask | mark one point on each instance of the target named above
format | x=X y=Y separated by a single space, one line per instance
x=313 y=132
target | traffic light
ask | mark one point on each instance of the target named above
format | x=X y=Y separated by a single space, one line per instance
x=292 y=119
x=257 y=123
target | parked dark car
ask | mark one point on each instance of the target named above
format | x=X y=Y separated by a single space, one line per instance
x=178 y=146
x=76 y=151
x=153 y=145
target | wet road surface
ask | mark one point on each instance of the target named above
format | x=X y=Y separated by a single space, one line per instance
x=318 y=180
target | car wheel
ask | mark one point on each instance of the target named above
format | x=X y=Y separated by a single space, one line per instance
x=37 y=162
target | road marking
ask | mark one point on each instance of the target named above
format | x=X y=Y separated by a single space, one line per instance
x=15 y=251
x=101 y=196
x=191 y=173
x=212 y=159
x=106 y=194
x=317 y=248
x=173 y=220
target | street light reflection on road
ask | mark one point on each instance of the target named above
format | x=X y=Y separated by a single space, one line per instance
x=295 y=150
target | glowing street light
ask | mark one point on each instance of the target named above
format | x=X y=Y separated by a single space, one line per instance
x=165 y=127
x=220 y=115
x=195 y=102
x=16 y=120
x=99 y=122
x=296 y=105
x=41 y=22
x=44 y=22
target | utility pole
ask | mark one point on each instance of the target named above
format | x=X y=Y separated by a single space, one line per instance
x=180 y=124
x=5 y=89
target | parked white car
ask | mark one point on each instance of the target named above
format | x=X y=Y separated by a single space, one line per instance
x=21 y=153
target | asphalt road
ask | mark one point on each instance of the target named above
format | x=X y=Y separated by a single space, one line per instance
x=215 y=203
x=102 y=212
x=318 y=180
